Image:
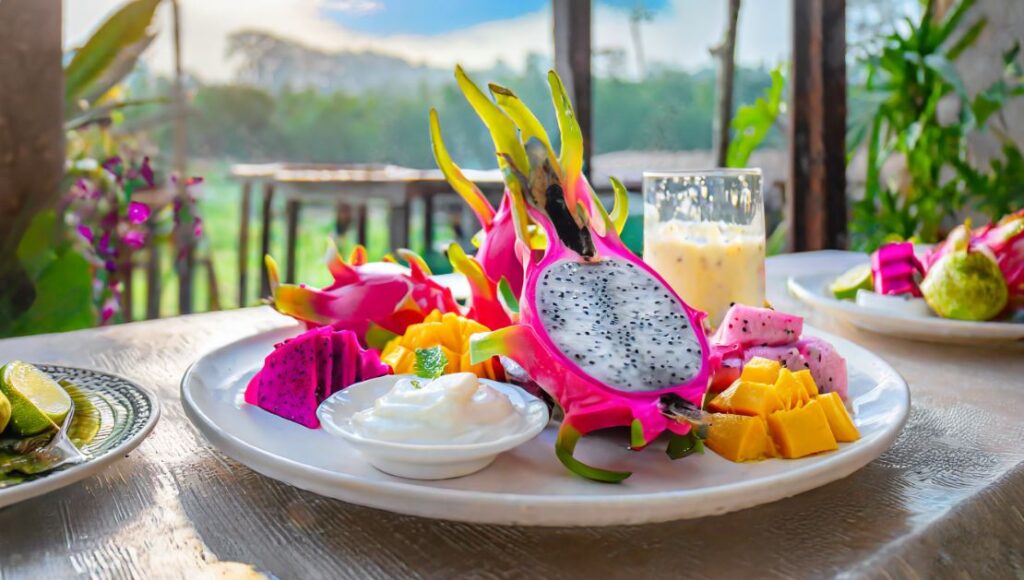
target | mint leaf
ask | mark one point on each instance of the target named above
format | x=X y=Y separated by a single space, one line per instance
x=430 y=362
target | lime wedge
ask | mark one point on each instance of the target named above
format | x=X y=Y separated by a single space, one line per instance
x=37 y=402
x=5 y=412
x=857 y=278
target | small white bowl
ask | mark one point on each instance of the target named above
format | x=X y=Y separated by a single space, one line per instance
x=423 y=460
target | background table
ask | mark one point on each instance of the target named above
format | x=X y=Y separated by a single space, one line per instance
x=946 y=499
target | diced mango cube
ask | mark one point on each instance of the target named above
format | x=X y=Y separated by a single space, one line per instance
x=739 y=438
x=791 y=390
x=838 y=418
x=399 y=358
x=761 y=370
x=746 y=398
x=809 y=385
x=802 y=431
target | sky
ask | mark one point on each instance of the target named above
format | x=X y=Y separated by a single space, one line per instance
x=475 y=33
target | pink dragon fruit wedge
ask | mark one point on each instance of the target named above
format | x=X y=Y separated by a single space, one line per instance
x=598 y=329
x=303 y=371
x=894 y=267
x=745 y=326
x=377 y=301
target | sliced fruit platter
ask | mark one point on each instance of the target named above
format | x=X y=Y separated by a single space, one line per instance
x=60 y=424
x=969 y=287
x=391 y=393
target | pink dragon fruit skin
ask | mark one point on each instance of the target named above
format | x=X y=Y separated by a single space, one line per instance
x=893 y=267
x=749 y=325
x=303 y=371
x=363 y=296
x=638 y=341
x=496 y=254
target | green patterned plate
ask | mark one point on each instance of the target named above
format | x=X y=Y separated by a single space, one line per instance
x=126 y=414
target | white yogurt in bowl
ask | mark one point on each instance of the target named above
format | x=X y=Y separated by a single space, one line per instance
x=422 y=429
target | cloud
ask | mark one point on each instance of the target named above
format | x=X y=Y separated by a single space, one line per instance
x=352 y=6
x=678 y=36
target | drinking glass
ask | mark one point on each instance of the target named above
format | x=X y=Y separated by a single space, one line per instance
x=704 y=233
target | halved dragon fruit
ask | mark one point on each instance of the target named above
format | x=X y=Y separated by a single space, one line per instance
x=303 y=371
x=598 y=329
x=377 y=301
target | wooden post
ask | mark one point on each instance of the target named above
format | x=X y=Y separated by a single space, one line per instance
x=243 y=243
x=267 y=218
x=185 y=238
x=816 y=208
x=572 y=61
x=726 y=55
x=291 y=216
x=31 y=133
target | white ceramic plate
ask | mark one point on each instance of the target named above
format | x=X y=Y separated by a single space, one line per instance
x=127 y=414
x=528 y=485
x=812 y=288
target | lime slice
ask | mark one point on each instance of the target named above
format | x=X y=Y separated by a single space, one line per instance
x=857 y=278
x=37 y=402
x=5 y=412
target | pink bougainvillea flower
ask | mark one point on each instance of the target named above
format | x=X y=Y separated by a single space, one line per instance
x=86 y=232
x=146 y=171
x=135 y=239
x=138 y=212
x=197 y=228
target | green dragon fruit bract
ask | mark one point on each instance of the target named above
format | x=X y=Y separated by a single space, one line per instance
x=598 y=329
x=376 y=301
x=303 y=371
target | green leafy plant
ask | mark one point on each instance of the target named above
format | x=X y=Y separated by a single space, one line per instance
x=907 y=81
x=70 y=254
x=752 y=122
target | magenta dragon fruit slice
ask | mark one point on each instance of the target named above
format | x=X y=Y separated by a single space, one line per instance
x=894 y=267
x=303 y=371
x=598 y=329
x=745 y=326
x=289 y=384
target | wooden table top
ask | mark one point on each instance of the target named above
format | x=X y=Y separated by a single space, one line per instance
x=945 y=500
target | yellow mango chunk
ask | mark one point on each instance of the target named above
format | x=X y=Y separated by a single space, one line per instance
x=746 y=398
x=761 y=370
x=449 y=331
x=739 y=438
x=809 y=385
x=791 y=390
x=399 y=358
x=802 y=431
x=838 y=418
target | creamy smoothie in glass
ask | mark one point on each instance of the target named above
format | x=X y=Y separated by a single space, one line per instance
x=704 y=233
